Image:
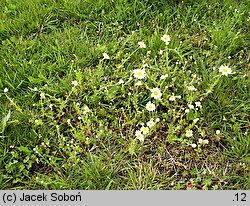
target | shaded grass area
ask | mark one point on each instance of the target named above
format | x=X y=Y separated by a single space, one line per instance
x=48 y=44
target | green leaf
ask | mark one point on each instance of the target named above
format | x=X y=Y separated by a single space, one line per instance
x=4 y=121
x=132 y=148
x=109 y=185
x=24 y=149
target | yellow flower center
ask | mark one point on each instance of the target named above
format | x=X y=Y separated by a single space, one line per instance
x=224 y=70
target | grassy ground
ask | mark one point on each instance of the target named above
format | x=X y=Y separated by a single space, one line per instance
x=70 y=115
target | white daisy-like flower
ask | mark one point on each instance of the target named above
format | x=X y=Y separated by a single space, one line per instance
x=105 y=56
x=189 y=133
x=141 y=44
x=150 y=106
x=187 y=110
x=190 y=106
x=200 y=141
x=139 y=73
x=74 y=83
x=139 y=135
x=5 y=90
x=121 y=81
x=166 y=39
x=139 y=83
x=164 y=76
x=85 y=109
x=194 y=145
x=161 y=52
x=205 y=141
x=191 y=88
x=172 y=98
x=150 y=123
x=217 y=132
x=51 y=106
x=225 y=70
x=144 y=130
x=42 y=95
x=198 y=104
x=156 y=93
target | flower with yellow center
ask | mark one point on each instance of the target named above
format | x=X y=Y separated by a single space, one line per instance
x=144 y=130
x=139 y=135
x=156 y=93
x=150 y=123
x=141 y=44
x=172 y=98
x=198 y=104
x=150 y=106
x=139 y=73
x=166 y=39
x=225 y=70
x=189 y=133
